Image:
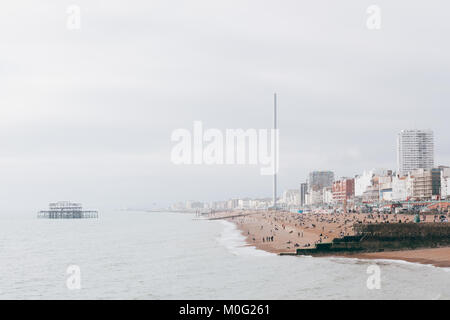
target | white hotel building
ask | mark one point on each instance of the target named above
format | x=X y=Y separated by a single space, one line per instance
x=415 y=150
x=445 y=183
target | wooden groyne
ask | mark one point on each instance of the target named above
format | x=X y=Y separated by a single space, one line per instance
x=233 y=216
x=230 y=217
x=384 y=237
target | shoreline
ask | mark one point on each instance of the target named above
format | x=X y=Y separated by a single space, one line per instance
x=287 y=232
x=437 y=257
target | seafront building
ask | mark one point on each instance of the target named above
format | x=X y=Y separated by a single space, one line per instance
x=365 y=181
x=291 y=198
x=318 y=181
x=244 y=204
x=218 y=205
x=415 y=150
x=445 y=183
x=328 y=196
x=385 y=187
x=343 y=190
x=303 y=194
x=194 y=205
x=233 y=203
x=416 y=183
x=426 y=184
x=315 y=197
x=402 y=187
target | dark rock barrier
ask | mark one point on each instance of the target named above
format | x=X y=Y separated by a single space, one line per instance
x=386 y=237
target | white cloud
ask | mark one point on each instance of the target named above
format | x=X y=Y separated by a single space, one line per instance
x=134 y=72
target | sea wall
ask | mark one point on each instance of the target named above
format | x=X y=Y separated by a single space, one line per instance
x=403 y=230
x=386 y=237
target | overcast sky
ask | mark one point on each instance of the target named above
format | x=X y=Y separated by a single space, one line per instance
x=87 y=115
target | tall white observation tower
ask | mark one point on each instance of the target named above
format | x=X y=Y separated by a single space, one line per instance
x=275 y=150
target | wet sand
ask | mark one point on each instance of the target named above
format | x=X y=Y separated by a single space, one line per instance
x=286 y=232
x=438 y=257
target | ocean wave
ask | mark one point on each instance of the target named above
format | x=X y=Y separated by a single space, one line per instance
x=385 y=262
x=232 y=239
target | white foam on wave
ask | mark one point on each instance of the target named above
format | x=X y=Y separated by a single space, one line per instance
x=386 y=262
x=232 y=239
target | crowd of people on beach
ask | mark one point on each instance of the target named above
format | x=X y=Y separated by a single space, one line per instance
x=280 y=231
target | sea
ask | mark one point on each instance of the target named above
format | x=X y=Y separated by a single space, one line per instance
x=162 y=255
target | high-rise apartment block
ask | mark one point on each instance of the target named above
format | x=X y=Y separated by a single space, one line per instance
x=415 y=150
x=320 y=179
